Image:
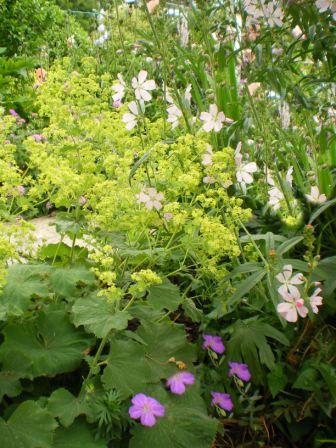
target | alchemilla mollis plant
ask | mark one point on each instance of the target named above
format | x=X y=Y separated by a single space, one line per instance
x=183 y=157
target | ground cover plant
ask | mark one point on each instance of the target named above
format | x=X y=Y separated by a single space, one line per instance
x=186 y=153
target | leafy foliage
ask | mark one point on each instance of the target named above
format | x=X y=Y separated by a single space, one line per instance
x=29 y=426
x=46 y=345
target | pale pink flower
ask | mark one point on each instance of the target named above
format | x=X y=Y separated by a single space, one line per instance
x=187 y=93
x=208 y=180
x=142 y=86
x=275 y=198
x=316 y=300
x=324 y=5
x=253 y=87
x=119 y=88
x=244 y=171
x=288 y=281
x=131 y=118
x=293 y=306
x=289 y=175
x=297 y=33
x=174 y=115
x=21 y=190
x=151 y=198
x=315 y=197
x=284 y=113
x=213 y=120
x=207 y=156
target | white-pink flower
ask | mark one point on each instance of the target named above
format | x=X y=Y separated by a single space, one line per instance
x=208 y=180
x=151 y=198
x=174 y=115
x=244 y=171
x=324 y=5
x=213 y=120
x=288 y=281
x=119 y=88
x=293 y=306
x=315 y=197
x=207 y=156
x=275 y=197
x=316 y=300
x=289 y=175
x=142 y=86
x=131 y=118
x=187 y=93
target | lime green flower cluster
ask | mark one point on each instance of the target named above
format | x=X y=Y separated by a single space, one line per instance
x=12 y=178
x=143 y=279
x=16 y=244
x=133 y=182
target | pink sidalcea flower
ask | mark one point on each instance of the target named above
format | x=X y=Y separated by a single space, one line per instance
x=213 y=120
x=142 y=86
x=240 y=370
x=207 y=156
x=214 y=343
x=151 y=198
x=146 y=408
x=288 y=281
x=38 y=137
x=178 y=382
x=222 y=400
x=21 y=189
x=316 y=300
x=293 y=306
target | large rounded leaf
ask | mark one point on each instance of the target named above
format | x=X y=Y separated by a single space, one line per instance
x=28 y=427
x=47 y=345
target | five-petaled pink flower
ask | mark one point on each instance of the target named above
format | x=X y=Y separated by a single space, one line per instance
x=240 y=370
x=215 y=343
x=288 y=281
x=178 y=382
x=213 y=120
x=146 y=408
x=222 y=400
x=142 y=86
x=316 y=300
x=293 y=306
x=151 y=198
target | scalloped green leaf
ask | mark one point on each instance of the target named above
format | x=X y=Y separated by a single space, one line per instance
x=66 y=407
x=132 y=365
x=28 y=427
x=77 y=436
x=47 y=345
x=98 y=315
x=165 y=296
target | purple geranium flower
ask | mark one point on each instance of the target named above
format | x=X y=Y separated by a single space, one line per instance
x=14 y=113
x=215 y=343
x=222 y=400
x=177 y=383
x=146 y=408
x=240 y=370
